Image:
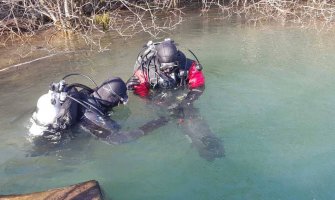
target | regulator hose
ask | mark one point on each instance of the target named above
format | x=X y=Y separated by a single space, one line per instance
x=79 y=74
x=90 y=90
x=83 y=75
x=199 y=66
x=89 y=106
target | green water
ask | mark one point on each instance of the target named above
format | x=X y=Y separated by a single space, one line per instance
x=269 y=97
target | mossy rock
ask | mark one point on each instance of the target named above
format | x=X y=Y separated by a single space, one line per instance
x=89 y=190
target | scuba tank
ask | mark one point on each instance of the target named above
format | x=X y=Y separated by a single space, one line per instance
x=57 y=109
x=48 y=108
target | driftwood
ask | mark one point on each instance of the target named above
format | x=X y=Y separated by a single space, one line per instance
x=89 y=190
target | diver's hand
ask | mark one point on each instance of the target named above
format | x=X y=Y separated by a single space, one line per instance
x=153 y=124
x=177 y=111
x=132 y=82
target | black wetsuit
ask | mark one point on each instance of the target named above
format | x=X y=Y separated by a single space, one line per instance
x=99 y=124
x=208 y=145
x=89 y=107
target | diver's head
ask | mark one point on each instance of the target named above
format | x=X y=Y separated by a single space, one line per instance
x=112 y=92
x=167 y=55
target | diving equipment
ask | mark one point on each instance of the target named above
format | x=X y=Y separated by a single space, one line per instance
x=198 y=64
x=111 y=92
x=167 y=81
x=54 y=110
x=167 y=55
x=57 y=109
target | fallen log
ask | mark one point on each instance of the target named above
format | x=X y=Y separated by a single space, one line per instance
x=89 y=190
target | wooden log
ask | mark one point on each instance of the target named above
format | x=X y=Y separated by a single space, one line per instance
x=89 y=190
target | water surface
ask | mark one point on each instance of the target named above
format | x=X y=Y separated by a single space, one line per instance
x=269 y=97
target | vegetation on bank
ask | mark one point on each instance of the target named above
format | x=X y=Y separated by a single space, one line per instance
x=20 y=18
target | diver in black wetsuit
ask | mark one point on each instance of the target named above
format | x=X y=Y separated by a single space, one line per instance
x=163 y=74
x=67 y=104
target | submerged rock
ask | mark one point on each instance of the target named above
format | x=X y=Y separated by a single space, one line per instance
x=89 y=190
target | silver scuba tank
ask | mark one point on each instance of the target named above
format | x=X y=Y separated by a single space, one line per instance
x=48 y=108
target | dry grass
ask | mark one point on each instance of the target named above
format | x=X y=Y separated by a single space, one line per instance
x=21 y=19
x=317 y=14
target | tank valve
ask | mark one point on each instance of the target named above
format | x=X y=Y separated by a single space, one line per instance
x=62 y=97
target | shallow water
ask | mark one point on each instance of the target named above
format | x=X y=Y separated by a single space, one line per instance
x=269 y=97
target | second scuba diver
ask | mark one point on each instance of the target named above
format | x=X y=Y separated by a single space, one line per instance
x=67 y=104
x=166 y=76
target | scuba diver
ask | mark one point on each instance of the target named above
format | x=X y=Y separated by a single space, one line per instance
x=163 y=74
x=67 y=104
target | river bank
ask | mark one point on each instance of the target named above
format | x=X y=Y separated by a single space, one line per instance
x=47 y=44
x=122 y=23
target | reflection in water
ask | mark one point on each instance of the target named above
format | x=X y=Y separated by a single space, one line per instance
x=53 y=142
x=204 y=140
x=208 y=145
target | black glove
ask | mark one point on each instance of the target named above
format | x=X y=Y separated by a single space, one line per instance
x=154 y=124
x=132 y=82
x=177 y=111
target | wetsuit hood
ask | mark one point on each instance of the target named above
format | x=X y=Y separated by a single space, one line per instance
x=167 y=54
x=111 y=92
